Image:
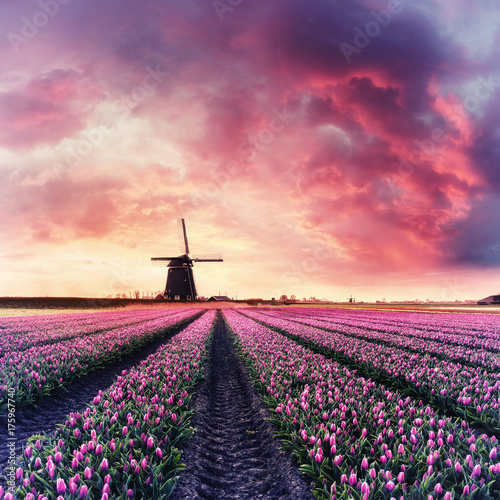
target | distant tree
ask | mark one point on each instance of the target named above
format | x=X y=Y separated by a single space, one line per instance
x=124 y=295
x=117 y=296
x=283 y=298
x=137 y=294
x=293 y=298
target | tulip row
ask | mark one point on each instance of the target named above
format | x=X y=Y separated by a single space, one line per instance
x=468 y=330
x=411 y=339
x=34 y=372
x=125 y=444
x=468 y=391
x=356 y=438
x=22 y=332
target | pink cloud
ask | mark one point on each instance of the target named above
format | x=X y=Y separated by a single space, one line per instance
x=47 y=109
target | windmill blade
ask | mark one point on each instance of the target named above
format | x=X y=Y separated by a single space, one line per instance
x=207 y=260
x=216 y=257
x=186 y=246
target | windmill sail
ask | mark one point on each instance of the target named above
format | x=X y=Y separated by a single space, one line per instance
x=180 y=280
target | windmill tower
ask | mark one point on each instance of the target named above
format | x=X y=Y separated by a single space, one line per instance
x=180 y=281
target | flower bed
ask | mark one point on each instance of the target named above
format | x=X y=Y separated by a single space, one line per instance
x=470 y=391
x=356 y=438
x=125 y=444
x=467 y=330
x=28 y=375
x=21 y=332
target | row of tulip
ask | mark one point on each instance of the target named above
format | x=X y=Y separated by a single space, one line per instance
x=414 y=340
x=469 y=391
x=356 y=438
x=125 y=445
x=467 y=329
x=21 y=332
x=31 y=374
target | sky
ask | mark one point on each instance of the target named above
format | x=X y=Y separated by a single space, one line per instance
x=324 y=148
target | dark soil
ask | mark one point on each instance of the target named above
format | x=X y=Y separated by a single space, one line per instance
x=75 y=397
x=233 y=454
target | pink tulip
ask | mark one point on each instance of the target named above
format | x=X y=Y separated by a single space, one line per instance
x=60 y=485
x=476 y=471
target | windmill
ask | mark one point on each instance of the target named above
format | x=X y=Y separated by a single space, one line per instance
x=180 y=282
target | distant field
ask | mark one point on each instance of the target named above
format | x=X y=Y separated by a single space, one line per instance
x=21 y=306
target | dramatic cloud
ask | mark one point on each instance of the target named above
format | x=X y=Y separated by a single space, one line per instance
x=322 y=147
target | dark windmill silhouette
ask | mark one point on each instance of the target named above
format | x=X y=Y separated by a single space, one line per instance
x=180 y=282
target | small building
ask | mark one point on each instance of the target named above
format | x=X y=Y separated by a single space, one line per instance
x=492 y=299
x=219 y=298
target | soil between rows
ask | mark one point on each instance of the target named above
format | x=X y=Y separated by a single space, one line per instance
x=233 y=455
x=75 y=397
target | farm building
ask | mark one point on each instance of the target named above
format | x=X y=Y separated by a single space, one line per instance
x=492 y=299
x=219 y=298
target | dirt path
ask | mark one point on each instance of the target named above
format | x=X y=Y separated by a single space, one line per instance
x=53 y=409
x=233 y=454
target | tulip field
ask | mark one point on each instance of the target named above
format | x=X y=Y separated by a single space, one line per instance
x=358 y=438
x=450 y=375
x=370 y=404
x=41 y=354
x=125 y=443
